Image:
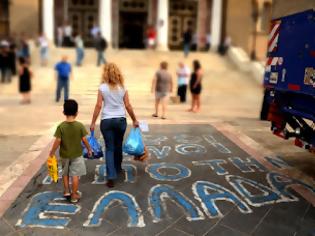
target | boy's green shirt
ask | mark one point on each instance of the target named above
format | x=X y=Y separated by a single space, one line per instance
x=71 y=134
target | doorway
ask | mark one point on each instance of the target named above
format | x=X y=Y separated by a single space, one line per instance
x=133 y=16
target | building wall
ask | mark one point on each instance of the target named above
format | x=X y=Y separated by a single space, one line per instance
x=287 y=7
x=24 y=16
x=239 y=24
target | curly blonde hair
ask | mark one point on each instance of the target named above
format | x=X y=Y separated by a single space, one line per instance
x=112 y=76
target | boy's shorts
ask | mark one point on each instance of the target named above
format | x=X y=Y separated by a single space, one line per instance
x=73 y=167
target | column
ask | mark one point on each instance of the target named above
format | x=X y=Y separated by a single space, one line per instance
x=105 y=19
x=48 y=19
x=162 y=25
x=216 y=23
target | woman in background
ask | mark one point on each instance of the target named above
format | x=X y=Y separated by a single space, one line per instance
x=195 y=86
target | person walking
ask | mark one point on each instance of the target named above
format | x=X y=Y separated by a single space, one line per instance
x=187 y=38
x=25 y=75
x=43 y=49
x=63 y=74
x=113 y=100
x=183 y=73
x=5 y=64
x=59 y=36
x=195 y=86
x=79 y=44
x=67 y=34
x=100 y=46
x=162 y=85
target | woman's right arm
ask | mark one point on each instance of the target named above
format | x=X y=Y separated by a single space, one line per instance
x=97 y=109
x=130 y=110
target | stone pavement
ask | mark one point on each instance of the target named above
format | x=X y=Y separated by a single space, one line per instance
x=197 y=182
x=229 y=96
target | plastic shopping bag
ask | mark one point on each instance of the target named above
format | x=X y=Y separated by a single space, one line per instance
x=97 y=151
x=52 y=165
x=134 y=144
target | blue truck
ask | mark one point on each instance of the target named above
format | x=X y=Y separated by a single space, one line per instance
x=289 y=79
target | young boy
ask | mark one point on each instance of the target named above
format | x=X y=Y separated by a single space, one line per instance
x=68 y=136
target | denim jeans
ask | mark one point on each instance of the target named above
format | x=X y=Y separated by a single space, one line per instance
x=186 y=49
x=6 y=75
x=43 y=54
x=113 y=131
x=80 y=56
x=100 y=58
x=62 y=83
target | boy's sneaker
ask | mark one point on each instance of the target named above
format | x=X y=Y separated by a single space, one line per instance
x=75 y=197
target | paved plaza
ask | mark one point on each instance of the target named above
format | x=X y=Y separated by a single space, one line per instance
x=218 y=172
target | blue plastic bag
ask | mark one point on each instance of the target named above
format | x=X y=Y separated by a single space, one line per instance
x=134 y=144
x=97 y=151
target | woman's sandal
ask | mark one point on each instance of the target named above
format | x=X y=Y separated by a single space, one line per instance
x=154 y=115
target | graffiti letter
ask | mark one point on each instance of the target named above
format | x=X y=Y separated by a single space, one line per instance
x=130 y=172
x=154 y=170
x=185 y=138
x=282 y=183
x=247 y=165
x=158 y=195
x=213 y=142
x=127 y=200
x=207 y=200
x=153 y=139
x=160 y=154
x=42 y=204
x=214 y=164
x=277 y=162
x=265 y=196
x=189 y=149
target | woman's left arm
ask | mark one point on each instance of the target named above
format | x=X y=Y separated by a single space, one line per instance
x=199 y=77
x=97 y=109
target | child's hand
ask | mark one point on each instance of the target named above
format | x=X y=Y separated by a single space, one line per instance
x=90 y=154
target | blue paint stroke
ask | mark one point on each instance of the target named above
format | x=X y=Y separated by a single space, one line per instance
x=249 y=165
x=277 y=162
x=45 y=203
x=159 y=153
x=190 y=149
x=153 y=139
x=265 y=196
x=130 y=172
x=283 y=183
x=100 y=174
x=217 y=145
x=214 y=164
x=186 y=138
x=127 y=200
x=201 y=189
x=157 y=205
x=154 y=170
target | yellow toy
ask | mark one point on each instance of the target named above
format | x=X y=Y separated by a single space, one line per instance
x=52 y=166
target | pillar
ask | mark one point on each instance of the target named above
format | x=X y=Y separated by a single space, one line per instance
x=48 y=19
x=216 y=23
x=105 y=16
x=162 y=25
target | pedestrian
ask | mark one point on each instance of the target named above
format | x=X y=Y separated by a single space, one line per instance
x=63 y=75
x=113 y=100
x=183 y=73
x=194 y=42
x=79 y=44
x=151 y=37
x=208 y=42
x=195 y=86
x=67 y=34
x=43 y=49
x=5 y=65
x=24 y=50
x=187 y=37
x=68 y=137
x=162 y=85
x=12 y=56
x=25 y=75
x=100 y=46
x=59 y=36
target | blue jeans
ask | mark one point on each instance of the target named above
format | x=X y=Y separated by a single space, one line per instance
x=44 y=54
x=186 y=49
x=100 y=58
x=80 y=56
x=113 y=131
x=62 y=83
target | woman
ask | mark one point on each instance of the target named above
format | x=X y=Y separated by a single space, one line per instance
x=113 y=99
x=195 y=86
x=25 y=76
x=162 y=85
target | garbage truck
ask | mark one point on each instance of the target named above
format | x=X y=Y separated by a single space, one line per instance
x=289 y=79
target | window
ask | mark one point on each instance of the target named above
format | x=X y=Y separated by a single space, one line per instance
x=4 y=18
